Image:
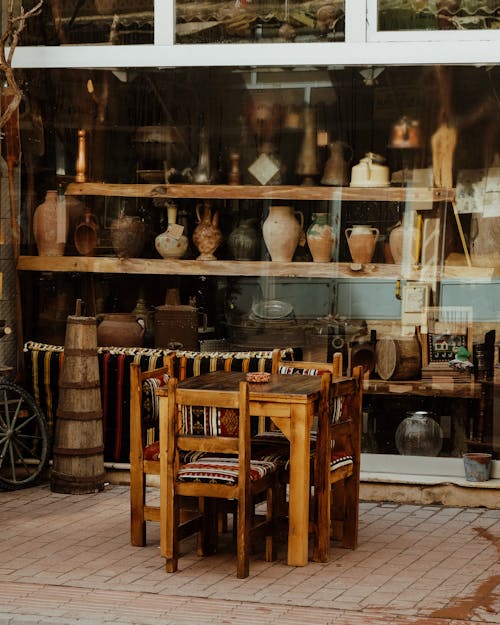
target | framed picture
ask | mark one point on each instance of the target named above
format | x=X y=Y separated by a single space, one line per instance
x=446 y=329
x=415 y=302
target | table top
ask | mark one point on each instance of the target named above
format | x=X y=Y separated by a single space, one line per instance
x=300 y=388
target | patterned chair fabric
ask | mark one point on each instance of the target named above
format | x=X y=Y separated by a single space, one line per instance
x=43 y=363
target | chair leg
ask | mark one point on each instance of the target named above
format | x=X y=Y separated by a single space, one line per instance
x=171 y=535
x=210 y=526
x=137 y=503
x=338 y=511
x=321 y=550
x=271 y=509
x=351 y=512
x=243 y=539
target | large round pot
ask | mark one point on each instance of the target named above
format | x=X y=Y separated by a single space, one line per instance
x=419 y=435
x=282 y=232
x=128 y=235
x=120 y=330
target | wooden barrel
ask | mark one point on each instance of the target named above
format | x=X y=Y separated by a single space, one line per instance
x=78 y=453
x=398 y=358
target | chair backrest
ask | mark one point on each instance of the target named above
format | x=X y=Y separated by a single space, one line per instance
x=144 y=427
x=345 y=417
x=303 y=367
x=214 y=407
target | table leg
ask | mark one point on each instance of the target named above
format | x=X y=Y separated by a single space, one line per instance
x=298 y=508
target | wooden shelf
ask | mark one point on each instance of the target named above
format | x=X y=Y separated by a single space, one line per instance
x=154 y=266
x=159 y=266
x=256 y=192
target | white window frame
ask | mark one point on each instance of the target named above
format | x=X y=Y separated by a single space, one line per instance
x=363 y=46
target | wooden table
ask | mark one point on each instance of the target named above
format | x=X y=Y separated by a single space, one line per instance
x=290 y=401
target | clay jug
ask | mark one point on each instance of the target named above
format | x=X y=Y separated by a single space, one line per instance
x=336 y=171
x=282 y=232
x=362 y=241
x=172 y=243
x=120 y=330
x=45 y=227
x=399 y=237
x=244 y=241
x=128 y=235
x=207 y=236
x=396 y=236
x=86 y=233
x=321 y=238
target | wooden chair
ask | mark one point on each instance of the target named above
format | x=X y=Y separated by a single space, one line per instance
x=144 y=448
x=337 y=464
x=335 y=452
x=229 y=474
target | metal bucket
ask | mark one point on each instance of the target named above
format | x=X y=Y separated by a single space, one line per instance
x=477 y=467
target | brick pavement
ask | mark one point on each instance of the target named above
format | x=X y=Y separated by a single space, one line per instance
x=67 y=560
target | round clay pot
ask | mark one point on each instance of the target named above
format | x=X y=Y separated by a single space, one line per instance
x=120 y=330
x=128 y=235
x=282 y=232
x=244 y=241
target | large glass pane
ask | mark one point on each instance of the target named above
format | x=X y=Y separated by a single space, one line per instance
x=438 y=14
x=398 y=168
x=62 y=22
x=253 y=22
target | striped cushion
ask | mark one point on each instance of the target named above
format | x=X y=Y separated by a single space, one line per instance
x=220 y=470
x=291 y=370
x=152 y=452
x=340 y=459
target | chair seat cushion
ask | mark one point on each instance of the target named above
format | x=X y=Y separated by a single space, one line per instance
x=152 y=452
x=220 y=470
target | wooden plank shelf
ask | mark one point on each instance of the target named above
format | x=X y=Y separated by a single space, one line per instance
x=257 y=192
x=158 y=266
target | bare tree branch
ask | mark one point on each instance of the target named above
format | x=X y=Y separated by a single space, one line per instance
x=9 y=39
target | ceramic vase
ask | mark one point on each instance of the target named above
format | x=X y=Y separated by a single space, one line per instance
x=400 y=236
x=128 y=235
x=45 y=227
x=321 y=238
x=244 y=241
x=361 y=241
x=282 y=232
x=172 y=243
x=207 y=235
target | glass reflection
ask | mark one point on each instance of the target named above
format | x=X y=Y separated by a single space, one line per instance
x=114 y=22
x=242 y=21
x=438 y=14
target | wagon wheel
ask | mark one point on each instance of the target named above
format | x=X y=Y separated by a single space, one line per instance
x=24 y=438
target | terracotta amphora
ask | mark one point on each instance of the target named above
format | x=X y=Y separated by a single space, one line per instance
x=362 y=241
